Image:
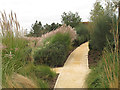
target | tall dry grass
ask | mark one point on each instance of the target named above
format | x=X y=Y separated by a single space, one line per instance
x=10 y=25
x=111 y=69
x=13 y=48
x=112 y=61
x=62 y=29
x=19 y=81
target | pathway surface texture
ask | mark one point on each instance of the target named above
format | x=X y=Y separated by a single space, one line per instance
x=75 y=69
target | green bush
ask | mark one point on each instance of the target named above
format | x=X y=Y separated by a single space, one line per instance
x=55 y=50
x=82 y=34
x=45 y=72
x=14 y=56
x=101 y=32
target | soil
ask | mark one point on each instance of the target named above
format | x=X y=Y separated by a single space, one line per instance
x=93 y=57
x=52 y=82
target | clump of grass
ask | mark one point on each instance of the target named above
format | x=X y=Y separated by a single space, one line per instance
x=111 y=69
x=105 y=74
x=17 y=68
x=44 y=72
x=39 y=74
x=15 y=52
x=39 y=71
x=20 y=81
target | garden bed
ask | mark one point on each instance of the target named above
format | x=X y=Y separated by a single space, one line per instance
x=93 y=57
x=52 y=82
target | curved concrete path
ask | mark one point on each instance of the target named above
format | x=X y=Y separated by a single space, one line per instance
x=75 y=69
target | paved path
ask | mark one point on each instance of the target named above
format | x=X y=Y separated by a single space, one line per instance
x=75 y=70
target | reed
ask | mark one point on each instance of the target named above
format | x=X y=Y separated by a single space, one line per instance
x=112 y=61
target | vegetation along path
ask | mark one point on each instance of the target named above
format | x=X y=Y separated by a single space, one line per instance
x=75 y=69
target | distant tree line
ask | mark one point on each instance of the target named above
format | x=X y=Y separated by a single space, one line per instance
x=37 y=29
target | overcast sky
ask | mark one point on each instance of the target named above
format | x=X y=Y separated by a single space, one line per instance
x=46 y=11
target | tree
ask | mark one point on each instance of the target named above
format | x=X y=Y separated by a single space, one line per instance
x=109 y=9
x=71 y=19
x=98 y=10
x=54 y=26
x=36 y=30
x=101 y=26
x=51 y=27
x=117 y=5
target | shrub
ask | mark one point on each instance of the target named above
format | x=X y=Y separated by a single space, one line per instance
x=101 y=32
x=55 y=50
x=82 y=34
x=45 y=72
